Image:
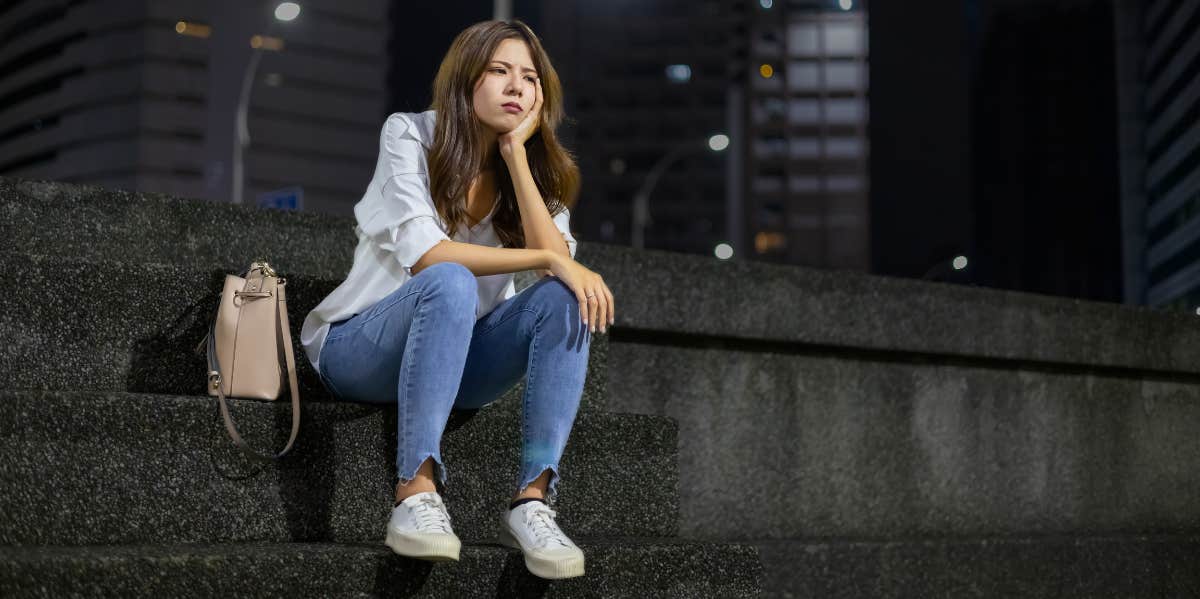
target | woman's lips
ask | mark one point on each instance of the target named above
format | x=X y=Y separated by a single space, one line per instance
x=511 y=108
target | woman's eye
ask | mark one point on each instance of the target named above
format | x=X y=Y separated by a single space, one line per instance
x=529 y=79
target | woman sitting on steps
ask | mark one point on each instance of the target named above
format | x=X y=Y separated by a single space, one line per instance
x=463 y=196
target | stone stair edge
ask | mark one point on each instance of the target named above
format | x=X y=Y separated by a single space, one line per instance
x=1138 y=311
x=130 y=196
x=847 y=309
x=175 y=310
x=803 y=306
x=633 y=568
x=47 y=189
x=137 y=397
x=332 y=487
x=104 y=261
x=8 y=552
x=1036 y=567
x=1188 y=535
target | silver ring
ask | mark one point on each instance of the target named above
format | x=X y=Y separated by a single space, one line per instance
x=592 y=295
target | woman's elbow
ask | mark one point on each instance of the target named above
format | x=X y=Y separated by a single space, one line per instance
x=429 y=258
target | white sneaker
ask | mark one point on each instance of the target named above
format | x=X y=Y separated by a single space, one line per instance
x=420 y=528
x=530 y=527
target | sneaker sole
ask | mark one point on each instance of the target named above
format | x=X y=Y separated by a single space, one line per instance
x=544 y=568
x=427 y=547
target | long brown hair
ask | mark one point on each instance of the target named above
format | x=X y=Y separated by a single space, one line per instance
x=457 y=156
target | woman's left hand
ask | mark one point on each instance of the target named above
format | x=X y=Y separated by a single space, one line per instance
x=525 y=129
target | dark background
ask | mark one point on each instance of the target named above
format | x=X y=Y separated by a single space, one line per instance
x=992 y=135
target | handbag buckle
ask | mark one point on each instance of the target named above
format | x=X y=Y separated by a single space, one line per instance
x=214 y=379
x=265 y=268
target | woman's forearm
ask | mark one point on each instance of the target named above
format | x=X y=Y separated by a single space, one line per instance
x=539 y=228
x=482 y=260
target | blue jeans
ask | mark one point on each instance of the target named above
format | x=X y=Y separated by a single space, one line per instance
x=421 y=349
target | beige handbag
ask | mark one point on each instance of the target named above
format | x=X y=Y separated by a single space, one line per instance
x=250 y=347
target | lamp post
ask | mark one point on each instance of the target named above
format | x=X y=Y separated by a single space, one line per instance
x=284 y=12
x=641 y=199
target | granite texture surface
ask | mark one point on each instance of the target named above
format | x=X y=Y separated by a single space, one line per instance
x=85 y=468
x=111 y=326
x=1058 y=567
x=86 y=221
x=693 y=296
x=89 y=222
x=838 y=404
x=856 y=448
x=655 y=291
x=635 y=568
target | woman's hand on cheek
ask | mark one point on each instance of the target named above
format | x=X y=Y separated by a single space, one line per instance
x=525 y=129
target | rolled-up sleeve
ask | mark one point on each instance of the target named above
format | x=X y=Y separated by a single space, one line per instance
x=399 y=216
x=562 y=220
x=403 y=220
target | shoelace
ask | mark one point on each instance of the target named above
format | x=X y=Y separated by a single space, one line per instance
x=431 y=515
x=540 y=520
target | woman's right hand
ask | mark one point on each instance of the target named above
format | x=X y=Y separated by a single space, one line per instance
x=597 y=310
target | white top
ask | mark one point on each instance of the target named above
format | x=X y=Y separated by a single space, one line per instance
x=397 y=224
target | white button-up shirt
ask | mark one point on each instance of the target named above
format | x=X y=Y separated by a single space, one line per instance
x=397 y=224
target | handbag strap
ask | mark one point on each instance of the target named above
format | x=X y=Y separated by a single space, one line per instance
x=285 y=339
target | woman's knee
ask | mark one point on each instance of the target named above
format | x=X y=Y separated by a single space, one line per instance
x=557 y=306
x=452 y=284
x=552 y=292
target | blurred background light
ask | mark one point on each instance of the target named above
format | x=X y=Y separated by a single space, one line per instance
x=266 y=42
x=679 y=73
x=287 y=11
x=724 y=251
x=769 y=241
x=193 y=29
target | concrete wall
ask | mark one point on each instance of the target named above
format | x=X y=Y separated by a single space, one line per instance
x=851 y=406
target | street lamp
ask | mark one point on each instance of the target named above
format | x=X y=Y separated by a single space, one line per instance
x=641 y=199
x=957 y=263
x=284 y=12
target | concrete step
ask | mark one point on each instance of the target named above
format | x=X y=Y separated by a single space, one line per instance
x=85 y=221
x=85 y=468
x=627 y=568
x=109 y=326
x=790 y=305
x=830 y=445
x=88 y=222
x=1047 y=567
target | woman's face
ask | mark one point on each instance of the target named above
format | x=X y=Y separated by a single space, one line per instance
x=508 y=79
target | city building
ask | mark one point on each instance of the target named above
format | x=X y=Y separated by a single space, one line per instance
x=656 y=91
x=732 y=122
x=645 y=88
x=145 y=95
x=1158 y=53
x=804 y=115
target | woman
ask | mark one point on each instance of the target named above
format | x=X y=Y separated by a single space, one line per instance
x=463 y=196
